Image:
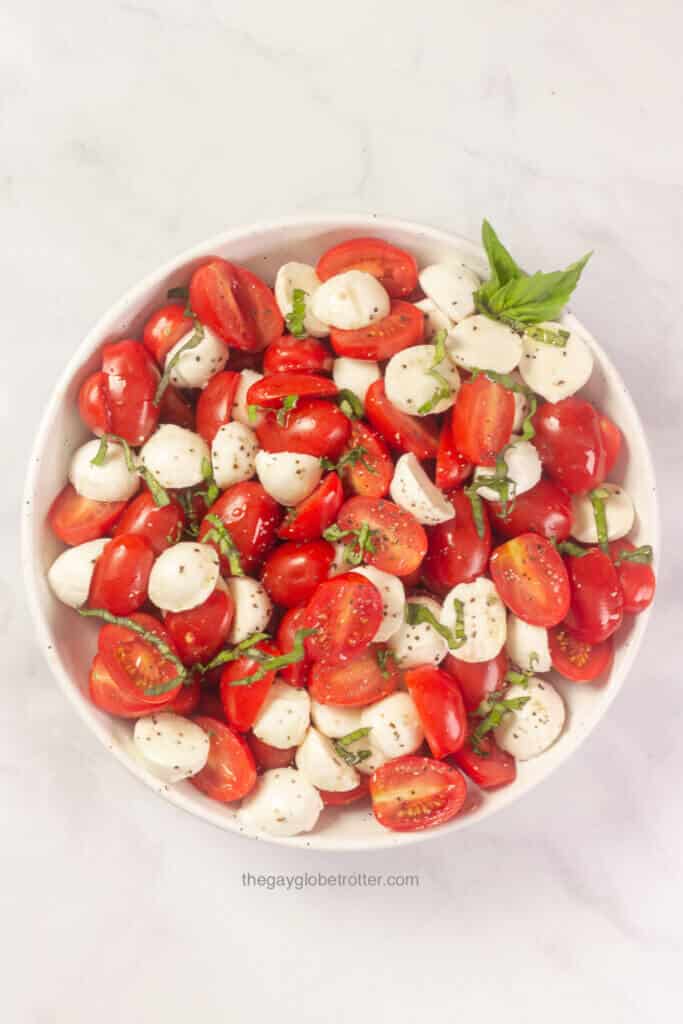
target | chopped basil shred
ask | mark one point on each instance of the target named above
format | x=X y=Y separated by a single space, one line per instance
x=212 y=492
x=220 y=536
x=349 y=458
x=192 y=342
x=296 y=316
x=252 y=413
x=569 y=547
x=349 y=756
x=180 y=292
x=641 y=556
x=498 y=482
x=158 y=493
x=162 y=647
x=597 y=497
x=356 y=549
x=233 y=653
x=491 y=713
x=273 y=663
x=547 y=335
x=289 y=402
x=444 y=390
x=384 y=655
x=350 y=404
x=417 y=613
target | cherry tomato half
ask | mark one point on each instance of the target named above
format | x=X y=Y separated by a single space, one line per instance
x=531 y=579
x=107 y=695
x=441 y=708
x=354 y=684
x=611 y=439
x=176 y=409
x=308 y=519
x=230 y=772
x=418 y=435
x=291 y=572
x=251 y=517
x=314 y=427
x=349 y=796
x=371 y=476
x=477 y=679
x=636 y=579
x=382 y=339
x=394 y=268
x=456 y=552
x=164 y=329
x=399 y=542
x=243 y=703
x=412 y=793
x=492 y=768
x=75 y=519
x=235 y=304
x=200 y=632
x=296 y=355
x=570 y=443
x=270 y=392
x=93 y=403
x=214 y=408
x=545 y=509
x=481 y=420
x=136 y=665
x=119 y=582
x=452 y=468
x=577 y=660
x=161 y=526
x=597 y=603
x=132 y=380
x=346 y=612
x=268 y=757
x=292 y=621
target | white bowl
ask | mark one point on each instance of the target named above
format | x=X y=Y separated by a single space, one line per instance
x=69 y=643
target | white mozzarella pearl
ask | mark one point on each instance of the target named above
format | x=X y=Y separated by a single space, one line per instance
x=289 y=477
x=553 y=372
x=183 y=576
x=71 y=572
x=523 y=469
x=484 y=619
x=619 y=512
x=233 y=454
x=172 y=747
x=412 y=489
x=355 y=375
x=319 y=762
x=284 y=716
x=351 y=300
x=334 y=721
x=253 y=607
x=527 y=646
x=240 y=405
x=112 y=481
x=435 y=320
x=451 y=288
x=196 y=366
x=420 y=644
x=176 y=456
x=301 y=276
x=410 y=386
x=283 y=803
x=535 y=726
x=480 y=342
x=395 y=725
x=393 y=600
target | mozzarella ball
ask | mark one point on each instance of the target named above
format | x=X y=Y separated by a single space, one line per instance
x=289 y=477
x=253 y=607
x=112 y=481
x=420 y=644
x=484 y=615
x=553 y=372
x=196 y=366
x=523 y=469
x=284 y=716
x=533 y=728
x=435 y=320
x=451 y=287
x=395 y=724
x=171 y=747
x=355 y=375
x=527 y=646
x=410 y=386
x=351 y=300
x=412 y=489
x=233 y=454
x=240 y=404
x=334 y=721
x=175 y=456
x=484 y=343
x=71 y=572
x=619 y=512
x=303 y=277
x=393 y=600
x=183 y=576
x=319 y=762
x=283 y=803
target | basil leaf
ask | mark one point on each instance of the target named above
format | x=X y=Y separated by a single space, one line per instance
x=275 y=663
x=295 y=318
x=568 y=547
x=288 y=402
x=597 y=497
x=340 y=746
x=221 y=537
x=350 y=404
x=641 y=556
x=503 y=267
x=417 y=613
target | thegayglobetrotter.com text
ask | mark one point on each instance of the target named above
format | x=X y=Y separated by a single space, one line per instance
x=322 y=880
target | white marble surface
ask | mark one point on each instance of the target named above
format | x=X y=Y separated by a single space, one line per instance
x=133 y=129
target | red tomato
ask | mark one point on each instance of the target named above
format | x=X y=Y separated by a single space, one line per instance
x=399 y=541
x=187 y=701
x=119 y=582
x=407 y=433
x=452 y=468
x=597 y=603
x=611 y=439
x=456 y=553
x=200 y=632
x=270 y=392
x=477 y=679
x=545 y=509
x=354 y=684
x=315 y=513
x=314 y=427
x=296 y=355
x=531 y=579
x=577 y=660
x=235 y=304
x=293 y=620
x=160 y=526
x=394 y=268
x=402 y=327
x=107 y=696
x=214 y=408
x=251 y=517
x=490 y=770
x=164 y=329
x=372 y=482
x=337 y=799
x=268 y=757
x=441 y=708
x=93 y=403
x=412 y=793
x=132 y=380
x=481 y=420
x=230 y=772
x=210 y=703
x=636 y=579
x=243 y=703
x=346 y=612
x=291 y=572
x=259 y=306
x=136 y=665
x=570 y=443
x=175 y=409
x=75 y=519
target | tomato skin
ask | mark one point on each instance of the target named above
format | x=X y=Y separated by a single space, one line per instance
x=257 y=302
x=314 y=427
x=495 y=769
x=271 y=392
x=637 y=581
x=400 y=541
x=160 y=526
x=545 y=509
x=481 y=420
x=394 y=268
x=210 y=703
x=200 y=632
x=93 y=403
x=292 y=571
x=570 y=443
x=441 y=708
x=132 y=380
x=293 y=620
x=611 y=439
x=296 y=355
x=354 y=684
x=134 y=663
x=213 y=297
x=243 y=703
x=577 y=660
x=230 y=772
x=107 y=696
x=477 y=679
x=214 y=408
x=418 y=435
x=358 y=477
x=346 y=612
x=175 y=409
x=456 y=553
x=402 y=327
x=164 y=329
x=75 y=519
x=268 y=757
x=314 y=514
x=251 y=517
x=341 y=799
x=412 y=793
x=119 y=582
x=597 y=603
x=452 y=468
x=531 y=579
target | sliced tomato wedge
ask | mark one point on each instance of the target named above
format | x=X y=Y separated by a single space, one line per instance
x=477 y=679
x=296 y=355
x=214 y=299
x=490 y=769
x=578 y=660
x=345 y=613
x=268 y=757
x=164 y=329
x=456 y=553
x=370 y=476
x=107 y=695
x=243 y=703
x=200 y=632
x=452 y=468
x=418 y=435
x=481 y=420
x=314 y=427
x=531 y=579
x=311 y=517
x=354 y=684
x=270 y=392
x=399 y=542
x=349 y=796
x=230 y=772
x=214 y=408
x=121 y=574
x=441 y=708
x=75 y=519
x=413 y=793
x=394 y=268
x=382 y=339
x=136 y=665
x=291 y=572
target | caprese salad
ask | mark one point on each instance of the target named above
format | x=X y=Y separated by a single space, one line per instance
x=338 y=533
